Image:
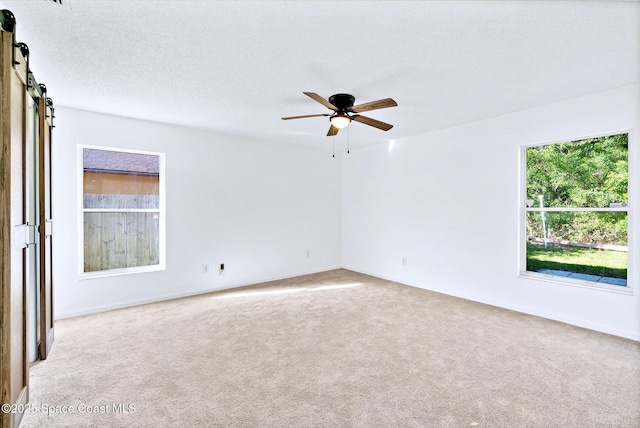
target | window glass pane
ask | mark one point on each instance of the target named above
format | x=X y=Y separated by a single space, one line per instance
x=121 y=240
x=120 y=180
x=116 y=186
x=585 y=245
x=591 y=173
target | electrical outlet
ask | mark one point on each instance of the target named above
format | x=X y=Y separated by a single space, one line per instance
x=205 y=268
x=404 y=261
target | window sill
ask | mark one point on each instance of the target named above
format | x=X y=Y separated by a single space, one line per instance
x=619 y=289
x=118 y=272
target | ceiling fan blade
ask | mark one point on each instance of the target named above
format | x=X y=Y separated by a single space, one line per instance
x=374 y=105
x=321 y=100
x=308 y=115
x=332 y=131
x=372 y=122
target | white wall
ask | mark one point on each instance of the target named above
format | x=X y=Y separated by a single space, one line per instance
x=448 y=201
x=255 y=206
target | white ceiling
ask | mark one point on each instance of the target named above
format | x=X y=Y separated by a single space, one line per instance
x=237 y=67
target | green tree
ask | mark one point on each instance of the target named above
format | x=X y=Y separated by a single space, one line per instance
x=586 y=173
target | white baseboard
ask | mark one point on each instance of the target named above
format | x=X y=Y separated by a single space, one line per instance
x=628 y=334
x=154 y=299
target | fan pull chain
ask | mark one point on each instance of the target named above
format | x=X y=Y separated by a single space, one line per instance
x=334 y=145
x=348 y=138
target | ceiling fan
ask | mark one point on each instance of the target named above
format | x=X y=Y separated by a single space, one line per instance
x=343 y=109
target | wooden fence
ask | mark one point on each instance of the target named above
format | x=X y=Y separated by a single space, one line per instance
x=115 y=201
x=123 y=239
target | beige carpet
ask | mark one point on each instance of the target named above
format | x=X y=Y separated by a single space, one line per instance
x=336 y=349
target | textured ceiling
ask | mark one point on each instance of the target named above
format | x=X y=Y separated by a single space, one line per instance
x=237 y=67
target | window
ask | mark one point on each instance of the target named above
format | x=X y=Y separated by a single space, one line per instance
x=576 y=211
x=122 y=211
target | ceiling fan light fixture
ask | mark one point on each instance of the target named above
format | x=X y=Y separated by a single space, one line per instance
x=340 y=120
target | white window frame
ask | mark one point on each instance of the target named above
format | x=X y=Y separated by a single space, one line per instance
x=631 y=240
x=81 y=210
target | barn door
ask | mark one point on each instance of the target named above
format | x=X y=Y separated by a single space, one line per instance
x=45 y=113
x=15 y=233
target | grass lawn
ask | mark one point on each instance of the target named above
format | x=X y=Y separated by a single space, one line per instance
x=577 y=259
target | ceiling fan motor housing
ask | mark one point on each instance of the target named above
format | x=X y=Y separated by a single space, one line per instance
x=342 y=101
